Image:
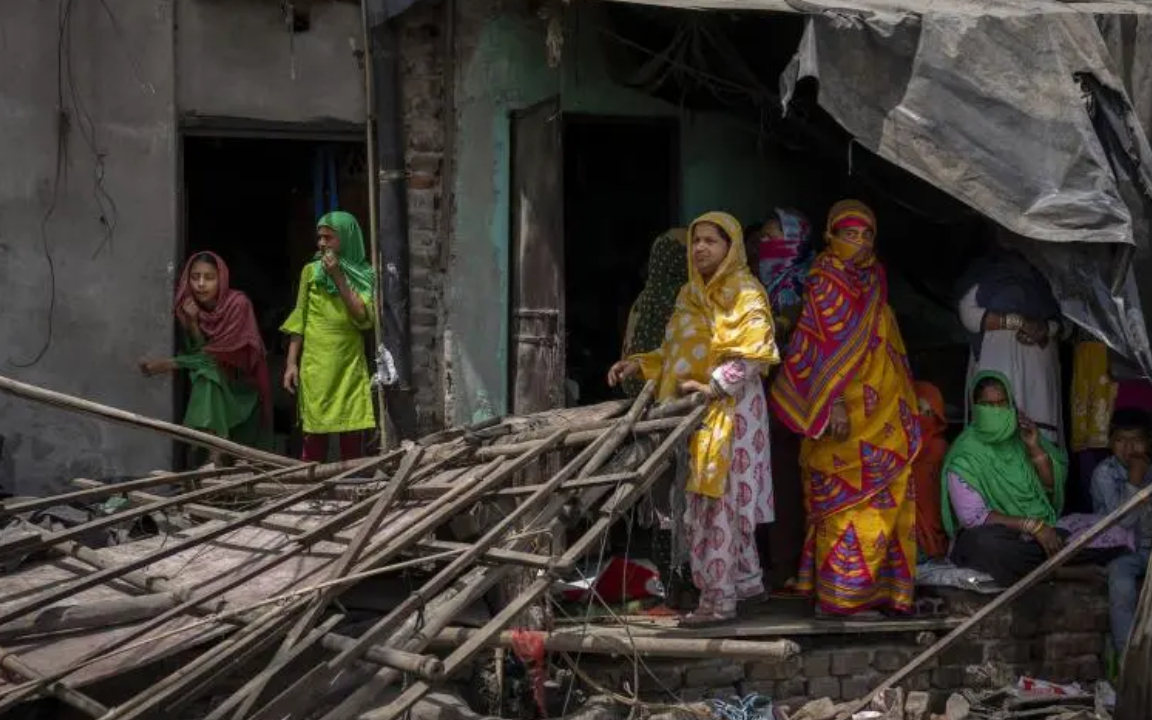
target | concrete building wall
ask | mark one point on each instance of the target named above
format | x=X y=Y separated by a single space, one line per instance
x=91 y=188
x=238 y=59
x=502 y=65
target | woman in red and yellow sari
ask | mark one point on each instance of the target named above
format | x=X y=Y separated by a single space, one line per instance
x=846 y=387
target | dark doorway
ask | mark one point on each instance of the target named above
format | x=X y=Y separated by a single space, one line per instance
x=621 y=189
x=254 y=202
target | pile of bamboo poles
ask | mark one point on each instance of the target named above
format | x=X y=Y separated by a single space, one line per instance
x=389 y=511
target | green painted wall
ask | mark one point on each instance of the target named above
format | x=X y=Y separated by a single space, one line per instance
x=502 y=67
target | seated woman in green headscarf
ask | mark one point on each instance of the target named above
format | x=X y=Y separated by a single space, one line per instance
x=1003 y=492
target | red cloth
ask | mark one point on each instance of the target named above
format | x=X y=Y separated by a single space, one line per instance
x=230 y=331
x=529 y=648
x=930 y=535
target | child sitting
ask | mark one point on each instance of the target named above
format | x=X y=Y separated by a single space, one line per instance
x=1114 y=482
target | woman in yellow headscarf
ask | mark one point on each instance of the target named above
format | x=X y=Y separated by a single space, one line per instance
x=846 y=387
x=720 y=342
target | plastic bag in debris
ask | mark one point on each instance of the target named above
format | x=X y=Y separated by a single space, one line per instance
x=1030 y=687
x=942 y=573
x=618 y=580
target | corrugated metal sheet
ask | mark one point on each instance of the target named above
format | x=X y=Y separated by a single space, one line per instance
x=969 y=8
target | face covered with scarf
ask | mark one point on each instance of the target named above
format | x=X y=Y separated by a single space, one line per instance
x=851 y=232
x=993 y=460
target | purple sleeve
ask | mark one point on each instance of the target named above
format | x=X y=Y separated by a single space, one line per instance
x=731 y=374
x=969 y=506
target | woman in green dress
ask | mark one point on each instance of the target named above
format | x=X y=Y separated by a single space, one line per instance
x=223 y=355
x=327 y=367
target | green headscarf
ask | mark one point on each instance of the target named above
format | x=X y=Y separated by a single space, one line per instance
x=992 y=459
x=667 y=273
x=353 y=261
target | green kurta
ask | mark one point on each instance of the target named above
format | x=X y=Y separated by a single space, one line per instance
x=217 y=404
x=334 y=394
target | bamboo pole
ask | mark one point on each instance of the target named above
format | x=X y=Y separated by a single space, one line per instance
x=99 y=577
x=16 y=507
x=65 y=694
x=580 y=436
x=74 y=404
x=620 y=643
x=439 y=511
x=70 y=618
x=208 y=512
x=38 y=541
x=598 y=454
x=472 y=587
x=247 y=696
x=373 y=211
x=463 y=655
x=584 y=464
x=1064 y=555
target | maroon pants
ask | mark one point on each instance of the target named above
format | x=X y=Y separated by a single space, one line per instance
x=316 y=447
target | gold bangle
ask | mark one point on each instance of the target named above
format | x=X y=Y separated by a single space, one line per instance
x=1012 y=321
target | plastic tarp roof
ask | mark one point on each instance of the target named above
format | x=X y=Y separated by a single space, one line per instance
x=1033 y=112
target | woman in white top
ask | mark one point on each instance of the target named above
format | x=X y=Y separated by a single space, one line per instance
x=1014 y=319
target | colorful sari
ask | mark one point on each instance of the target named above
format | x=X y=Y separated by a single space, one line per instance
x=783 y=266
x=860 y=545
x=721 y=334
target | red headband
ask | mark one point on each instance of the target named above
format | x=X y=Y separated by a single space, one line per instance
x=852 y=221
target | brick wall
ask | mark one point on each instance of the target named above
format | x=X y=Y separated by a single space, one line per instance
x=1056 y=632
x=423 y=66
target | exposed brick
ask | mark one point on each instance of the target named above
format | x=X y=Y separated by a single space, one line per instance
x=858 y=685
x=817 y=663
x=890 y=659
x=920 y=681
x=850 y=662
x=774 y=670
x=997 y=625
x=1066 y=645
x=821 y=687
x=948 y=677
x=1008 y=651
x=710 y=677
x=790 y=688
x=963 y=653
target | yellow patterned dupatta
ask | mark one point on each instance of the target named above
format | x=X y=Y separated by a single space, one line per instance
x=724 y=319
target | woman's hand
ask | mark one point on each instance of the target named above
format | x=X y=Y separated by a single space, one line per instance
x=1049 y=539
x=691 y=387
x=1029 y=433
x=331 y=264
x=291 y=378
x=839 y=427
x=152 y=368
x=621 y=371
x=1033 y=332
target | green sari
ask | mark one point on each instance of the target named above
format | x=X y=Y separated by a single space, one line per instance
x=226 y=407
